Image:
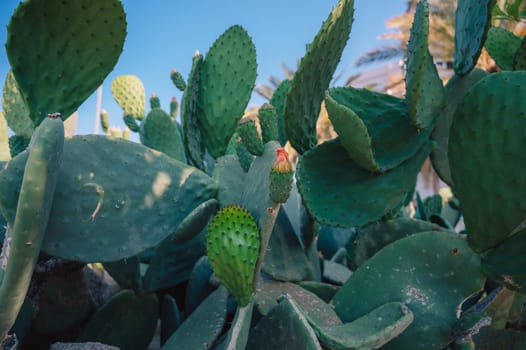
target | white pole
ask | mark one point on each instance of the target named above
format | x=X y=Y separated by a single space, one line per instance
x=97 y=111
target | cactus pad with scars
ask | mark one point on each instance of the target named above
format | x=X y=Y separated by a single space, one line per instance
x=228 y=75
x=96 y=218
x=128 y=91
x=63 y=52
x=232 y=246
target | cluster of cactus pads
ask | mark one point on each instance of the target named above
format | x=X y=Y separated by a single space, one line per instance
x=211 y=235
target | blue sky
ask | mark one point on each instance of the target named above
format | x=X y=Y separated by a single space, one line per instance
x=164 y=34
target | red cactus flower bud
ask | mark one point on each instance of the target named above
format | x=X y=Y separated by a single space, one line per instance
x=282 y=163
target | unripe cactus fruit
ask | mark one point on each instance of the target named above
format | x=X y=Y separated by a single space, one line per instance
x=281 y=177
x=232 y=246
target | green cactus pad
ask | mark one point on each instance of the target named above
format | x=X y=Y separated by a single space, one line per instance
x=199 y=286
x=519 y=61
x=15 y=109
x=314 y=75
x=374 y=128
x=372 y=238
x=174 y=108
x=269 y=291
x=505 y=264
x=278 y=100
x=280 y=186
x=67 y=47
x=190 y=115
x=17 y=144
x=370 y=331
x=362 y=196
x=178 y=80
x=170 y=317
x=432 y=205
x=486 y=143
x=158 y=131
x=33 y=201
x=203 y=326
x=268 y=120
x=455 y=90
x=131 y=123
x=116 y=322
x=472 y=21
x=105 y=121
x=128 y=92
x=172 y=263
x=196 y=221
x=491 y=339
x=229 y=174
x=420 y=271
x=244 y=157
x=155 y=102
x=285 y=258
x=248 y=132
x=285 y=327
x=89 y=226
x=126 y=272
x=228 y=75
x=502 y=45
x=232 y=246
x=424 y=91
x=5 y=153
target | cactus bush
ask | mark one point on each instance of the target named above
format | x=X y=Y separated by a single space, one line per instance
x=211 y=233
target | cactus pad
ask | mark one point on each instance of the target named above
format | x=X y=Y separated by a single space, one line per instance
x=314 y=75
x=420 y=271
x=424 y=91
x=248 y=132
x=159 y=131
x=96 y=218
x=64 y=46
x=5 y=154
x=472 y=21
x=232 y=246
x=374 y=128
x=15 y=109
x=362 y=196
x=128 y=91
x=486 y=144
x=228 y=75
x=502 y=46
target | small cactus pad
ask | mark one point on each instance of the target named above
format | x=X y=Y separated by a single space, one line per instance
x=278 y=100
x=178 y=80
x=232 y=246
x=362 y=196
x=519 y=61
x=455 y=90
x=281 y=177
x=190 y=115
x=424 y=91
x=314 y=75
x=128 y=91
x=486 y=145
x=472 y=21
x=419 y=271
x=15 y=109
x=374 y=128
x=502 y=45
x=159 y=131
x=228 y=75
x=66 y=47
x=268 y=120
x=97 y=218
x=248 y=132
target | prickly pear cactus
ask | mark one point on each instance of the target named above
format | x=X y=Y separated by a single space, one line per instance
x=128 y=91
x=232 y=246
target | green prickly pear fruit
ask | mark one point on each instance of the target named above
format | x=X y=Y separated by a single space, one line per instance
x=248 y=132
x=232 y=246
x=268 y=120
x=154 y=101
x=281 y=177
x=105 y=120
x=178 y=80
x=174 y=108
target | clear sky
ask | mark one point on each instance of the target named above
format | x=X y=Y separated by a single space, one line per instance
x=164 y=34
